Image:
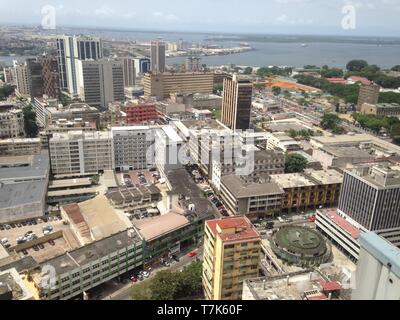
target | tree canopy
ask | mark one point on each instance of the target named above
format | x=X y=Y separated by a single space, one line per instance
x=276 y=90
x=356 y=65
x=330 y=121
x=30 y=125
x=5 y=91
x=295 y=163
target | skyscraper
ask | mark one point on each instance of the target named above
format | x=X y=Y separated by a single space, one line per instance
x=50 y=76
x=369 y=93
x=21 y=73
x=236 y=103
x=129 y=71
x=232 y=249
x=70 y=49
x=35 y=80
x=100 y=82
x=157 y=56
x=142 y=65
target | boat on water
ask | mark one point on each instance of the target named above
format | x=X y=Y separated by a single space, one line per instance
x=304 y=45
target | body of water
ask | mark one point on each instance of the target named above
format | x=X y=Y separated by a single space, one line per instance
x=334 y=54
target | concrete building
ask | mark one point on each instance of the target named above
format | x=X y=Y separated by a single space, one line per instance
x=381 y=109
x=10 y=76
x=157 y=56
x=142 y=65
x=101 y=82
x=246 y=196
x=378 y=270
x=131 y=144
x=23 y=186
x=368 y=94
x=71 y=50
x=141 y=113
x=22 y=80
x=311 y=189
x=81 y=152
x=129 y=71
x=162 y=85
x=20 y=146
x=50 y=76
x=114 y=116
x=207 y=101
x=193 y=64
x=232 y=249
x=370 y=199
x=11 y=122
x=35 y=80
x=236 y=103
x=282 y=142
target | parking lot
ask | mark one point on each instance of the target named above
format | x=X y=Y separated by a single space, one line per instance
x=13 y=231
x=137 y=178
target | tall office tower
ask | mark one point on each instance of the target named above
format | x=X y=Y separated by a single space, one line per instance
x=236 y=103
x=10 y=76
x=21 y=73
x=71 y=49
x=370 y=199
x=129 y=71
x=50 y=76
x=142 y=65
x=157 y=56
x=378 y=270
x=35 y=81
x=369 y=93
x=232 y=250
x=100 y=82
x=193 y=64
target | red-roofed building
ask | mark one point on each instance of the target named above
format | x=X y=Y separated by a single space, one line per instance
x=336 y=80
x=355 y=79
x=232 y=251
x=141 y=113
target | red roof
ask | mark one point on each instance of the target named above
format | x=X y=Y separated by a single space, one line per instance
x=336 y=80
x=244 y=230
x=319 y=296
x=330 y=285
x=342 y=223
x=363 y=80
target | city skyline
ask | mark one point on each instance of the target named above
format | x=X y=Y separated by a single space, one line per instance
x=316 y=17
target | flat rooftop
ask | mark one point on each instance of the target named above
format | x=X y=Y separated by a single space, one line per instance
x=203 y=124
x=68 y=183
x=292 y=180
x=235 y=229
x=21 y=193
x=242 y=189
x=71 y=192
x=340 y=222
x=328 y=176
x=154 y=227
x=352 y=152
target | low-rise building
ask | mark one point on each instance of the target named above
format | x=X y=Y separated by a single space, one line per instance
x=311 y=189
x=281 y=141
x=381 y=109
x=81 y=152
x=20 y=146
x=142 y=113
x=11 y=122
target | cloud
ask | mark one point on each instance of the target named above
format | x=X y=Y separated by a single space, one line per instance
x=165 y=16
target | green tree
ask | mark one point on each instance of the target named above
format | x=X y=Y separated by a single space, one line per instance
x=276 y=90
x=396 y=68
x=295 y=163
x=218 y=87
x=248 y=70
x=259 y=85
x=190 y=280
x=6 y=91
x=164 y=286
x=356 y=65
x=330 y=121
x=30 y=125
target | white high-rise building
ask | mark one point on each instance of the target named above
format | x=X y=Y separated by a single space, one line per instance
x=157 y=56
x=71 y=49
x=100 y=82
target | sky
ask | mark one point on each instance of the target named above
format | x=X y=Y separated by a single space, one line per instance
x=360 y=17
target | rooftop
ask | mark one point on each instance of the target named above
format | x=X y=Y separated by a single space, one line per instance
x=349 y=151
x=21 y=193
x=292 y=180
x=242 y=189
x=329 y=176
x=233 y=229
x=342 y=223
x=154 y=227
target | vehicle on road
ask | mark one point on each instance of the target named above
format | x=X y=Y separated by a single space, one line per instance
x=134 y=279
x=41 y=246
x=192 y=254
x=35 y=247
x=51 y=242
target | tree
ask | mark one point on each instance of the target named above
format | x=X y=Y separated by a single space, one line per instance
x=5 y=91
x=218 y=88
x=356 y=65
x=295 y=163
x=396 y=68
x=30 y=125
x=330 y=121
x=259 y=85
x=164 y=285
x=276 y=90
x=248 y=70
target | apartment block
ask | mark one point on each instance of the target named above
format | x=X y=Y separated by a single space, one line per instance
x=20 y=146
x=161 y=85
x=232 y=249
x=78 y=152
x=142 y=113
x=131 y=144
x=157 y=56
x=381 y=109
x=11 y=122
x=369 y=93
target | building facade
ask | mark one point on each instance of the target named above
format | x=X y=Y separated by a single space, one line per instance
x=232 y=249
x=142 y=113
x=236 y=103
x=157 y=56
x=11 y=123
x=368 y=94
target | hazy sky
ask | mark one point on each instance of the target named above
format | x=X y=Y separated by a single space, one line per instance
x=373 y=17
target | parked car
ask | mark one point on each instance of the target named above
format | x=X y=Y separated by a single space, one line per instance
x=41 y=246
x=51 y=242
x=134 y=278
x=146 y=274
x=35 y=247
x=7 y=226
x=25 y=252
x=192 y=254
x=28 y=233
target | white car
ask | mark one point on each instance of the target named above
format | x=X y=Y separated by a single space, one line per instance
x=4 y=241
x=146 y=274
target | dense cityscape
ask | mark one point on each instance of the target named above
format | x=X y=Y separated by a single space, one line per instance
x=126 y=174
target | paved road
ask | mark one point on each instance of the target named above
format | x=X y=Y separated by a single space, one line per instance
x=125 y=292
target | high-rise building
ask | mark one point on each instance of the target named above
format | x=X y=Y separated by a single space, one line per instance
x=129 y=71
x=35 y=80
x=370 y=199
x=50 y=76
x=157 y=56
x=9 y=76
x=369 y=93
x=232 y=249
x=142 y=65
x=193 y=64
x=101 y=82
x=236 y=103
x=142 y=113
x=70 y=49
x=162 y=85
x=21 y=72
x=378 y=270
